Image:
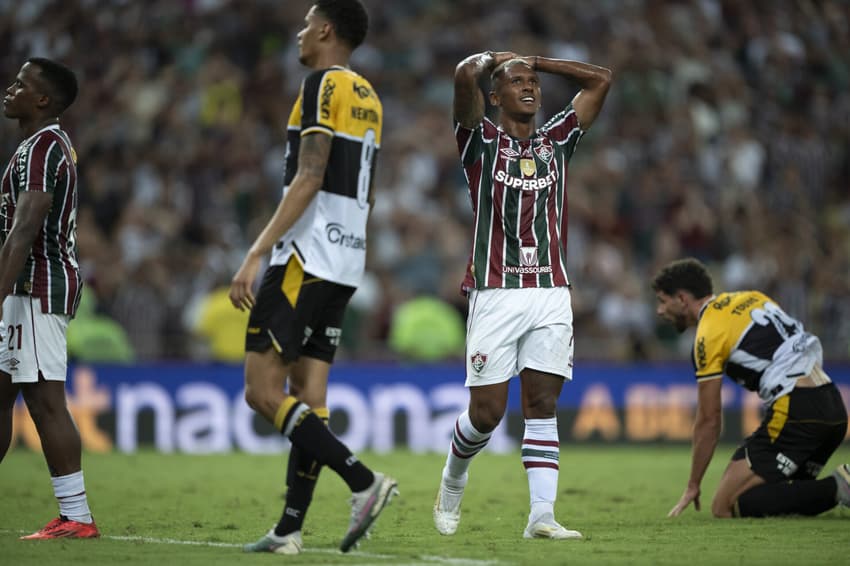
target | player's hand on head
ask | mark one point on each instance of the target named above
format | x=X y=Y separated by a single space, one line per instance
x=691 y=494
x=241 y=294
x=500 y=57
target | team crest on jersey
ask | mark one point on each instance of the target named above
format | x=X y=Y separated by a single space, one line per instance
x=528 y=167
x=544 y=152
x=528 y=255
x=478 y=361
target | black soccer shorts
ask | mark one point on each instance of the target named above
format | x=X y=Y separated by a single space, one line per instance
x=297 y=314
x=798 y=435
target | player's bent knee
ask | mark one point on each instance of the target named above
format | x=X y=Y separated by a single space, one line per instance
x=253 y=397
x=542 y=408
x=721 y=509
x=485 y=420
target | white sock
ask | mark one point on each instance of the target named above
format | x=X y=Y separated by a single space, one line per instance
x=70 y=491
x=540 y=456
x=466 y=443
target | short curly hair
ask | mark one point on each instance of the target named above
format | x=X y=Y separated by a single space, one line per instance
x=687 y=274
x=348 y=17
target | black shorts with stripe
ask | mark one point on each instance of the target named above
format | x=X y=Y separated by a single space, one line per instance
x=297 y=314
x=798 y=435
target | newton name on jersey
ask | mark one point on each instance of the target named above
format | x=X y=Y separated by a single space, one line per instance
x=330 y=237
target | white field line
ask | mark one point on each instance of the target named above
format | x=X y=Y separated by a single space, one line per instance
x=425 y=558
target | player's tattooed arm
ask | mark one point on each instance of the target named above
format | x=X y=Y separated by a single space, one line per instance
x=313 y=160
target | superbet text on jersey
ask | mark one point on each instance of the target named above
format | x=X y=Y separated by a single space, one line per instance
x=519 y=199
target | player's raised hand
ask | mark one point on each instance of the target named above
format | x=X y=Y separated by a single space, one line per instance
x=691 y=494
x=500 y=57
x=241 y=287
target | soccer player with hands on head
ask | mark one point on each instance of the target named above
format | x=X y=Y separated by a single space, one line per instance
x=520 y=315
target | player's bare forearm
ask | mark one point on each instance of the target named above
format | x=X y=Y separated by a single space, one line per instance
x=12 y=258
x=312 y=162
x=706 y=434
x=586 y=75
x=707 y=426
x=468 y=98
x=593 y=80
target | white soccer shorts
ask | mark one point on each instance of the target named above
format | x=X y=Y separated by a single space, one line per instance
x=509 y=330
x=32 y=341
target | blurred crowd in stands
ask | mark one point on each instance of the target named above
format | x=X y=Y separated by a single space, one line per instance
x=725 y=136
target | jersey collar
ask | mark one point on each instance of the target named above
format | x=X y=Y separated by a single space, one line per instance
x=703 y=307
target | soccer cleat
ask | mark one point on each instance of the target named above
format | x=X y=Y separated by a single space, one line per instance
x=447 y=508
x=270 y=542
x=842 y=479
x=64 y=528
x=547 y=527
x=365 y=508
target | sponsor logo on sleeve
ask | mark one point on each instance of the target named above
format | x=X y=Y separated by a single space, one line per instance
x=361 y=91
x=701 y=355
x=327 y=94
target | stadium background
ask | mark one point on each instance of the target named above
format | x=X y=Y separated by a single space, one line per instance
x=725 y=137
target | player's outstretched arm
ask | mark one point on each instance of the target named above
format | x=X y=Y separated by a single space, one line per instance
x=593 y=80
x=707 y=427
x=469 y=100
x=312 y=162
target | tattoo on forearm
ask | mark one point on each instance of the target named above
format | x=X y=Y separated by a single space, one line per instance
x=313 y=155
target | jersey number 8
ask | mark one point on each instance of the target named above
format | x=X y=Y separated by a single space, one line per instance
x=367 y=159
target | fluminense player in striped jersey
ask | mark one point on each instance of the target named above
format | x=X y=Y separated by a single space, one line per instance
x=520 y=316
x=40 y=283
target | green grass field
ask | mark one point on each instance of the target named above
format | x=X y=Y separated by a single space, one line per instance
x=180 y=509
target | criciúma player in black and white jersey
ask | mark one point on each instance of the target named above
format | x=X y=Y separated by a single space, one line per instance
x=748 y=337
x=317 y=241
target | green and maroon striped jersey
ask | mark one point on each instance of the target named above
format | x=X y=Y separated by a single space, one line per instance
x=519 y=202
x=46 y=162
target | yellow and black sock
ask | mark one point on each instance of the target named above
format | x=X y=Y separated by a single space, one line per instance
x=302 y=473
x=307 y=432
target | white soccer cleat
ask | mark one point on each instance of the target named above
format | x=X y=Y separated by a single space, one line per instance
x=447 y=508
x=270 y=542
x=842 y=481
x=547 y=527
x=365 y=508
